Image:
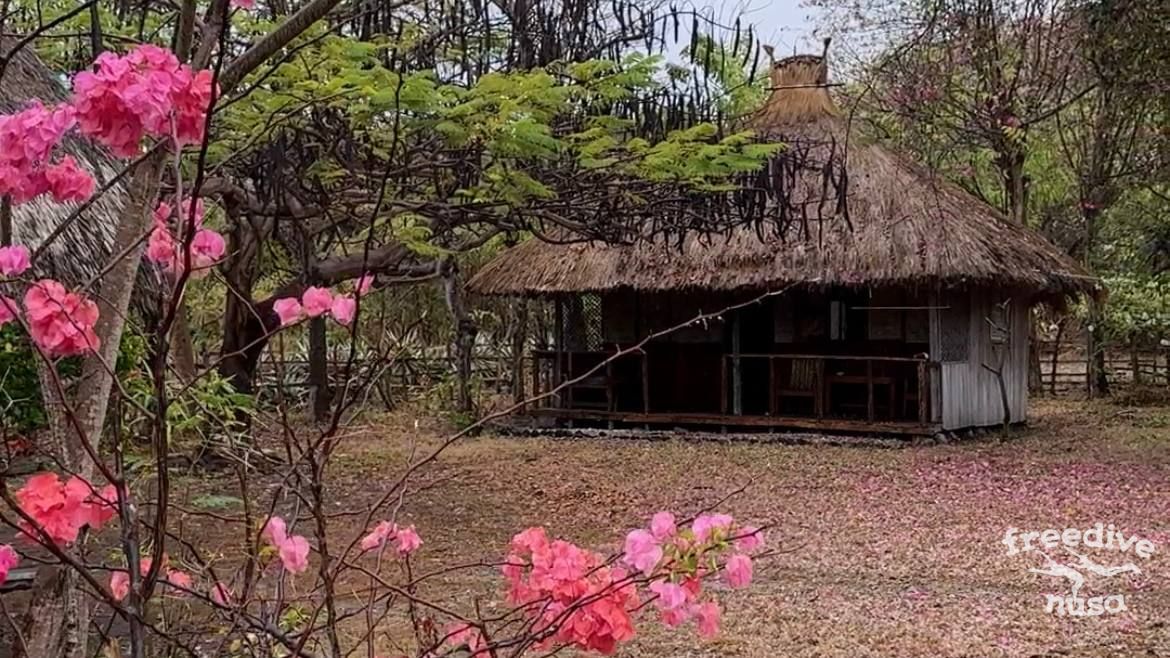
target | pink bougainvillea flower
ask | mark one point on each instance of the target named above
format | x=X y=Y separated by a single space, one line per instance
x=675 y=617
x=68 y=182
x=362 y=287
x=738 y=570
x=119 y=584
x=642 y=551
x=294 y=554
x=289 y=310
x=207 y=248
x=14 y=261
x=244 y=4
x=670 y=595
x=146 y=92
x=8 y=310
x=275 y=531
x=662 y=525
x=192 y=100
x=61 y=509
x=179 y=578
x=317 y=301
x=749 y=538
x=343 y=309
x=706 y=524
x=60 y=322
x=220 y=594
x=27 y=140
x=583 y=603
x=160 y=246
x=707 y=615
x=407 y=541
x=379 y=535
x=532 y=540
x=292 y=549
x=8 y=560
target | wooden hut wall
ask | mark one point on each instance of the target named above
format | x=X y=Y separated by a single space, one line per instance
x=629 y=316
x=964 y=340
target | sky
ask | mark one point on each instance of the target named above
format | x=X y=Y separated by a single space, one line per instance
x=783 y=24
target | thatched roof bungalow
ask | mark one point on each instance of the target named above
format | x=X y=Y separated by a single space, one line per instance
x=904 y=308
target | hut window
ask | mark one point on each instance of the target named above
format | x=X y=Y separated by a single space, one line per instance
x=583 y=327
x=1000 y=321
x=954 y=329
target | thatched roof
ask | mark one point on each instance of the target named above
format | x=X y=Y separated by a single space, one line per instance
x=887 y=222
x=84 y=248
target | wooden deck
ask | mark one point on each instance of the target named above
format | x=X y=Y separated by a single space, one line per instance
x=907 y=428
x=818 y=392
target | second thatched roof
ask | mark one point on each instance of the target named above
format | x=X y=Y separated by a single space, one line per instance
x=893 y=223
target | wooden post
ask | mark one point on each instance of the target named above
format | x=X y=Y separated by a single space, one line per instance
x=771 y=386
x=869 y=412
x=923 y=387
x=736 y=371
x=536 y=381
x=819 y=398
x=569 y=376
x=519 y=338
x=558 y=347
x=723 y=384
x=609 y=387
x=1135 y=366
x=645 y=384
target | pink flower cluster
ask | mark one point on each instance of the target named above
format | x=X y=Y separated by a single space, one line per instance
x=60 y=322
x=676 y=560
x=406 y=540
x=570 y=592
x=292 y=549
x=316 y=302
x=27 y=140
x=62 y=508
x=207 y=246
x=14 y=261
x=120 y=578
x=8 y=560
x=145 y=92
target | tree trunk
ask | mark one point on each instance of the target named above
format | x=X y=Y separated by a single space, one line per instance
x=519 y=338
x=465 y=332
x=243 y=342
x=182 y=346
x=58 y=623
x=1035 y=377
x=320 y=392
x=1098 y=383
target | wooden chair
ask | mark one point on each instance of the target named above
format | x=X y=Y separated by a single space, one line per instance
x=800 y=381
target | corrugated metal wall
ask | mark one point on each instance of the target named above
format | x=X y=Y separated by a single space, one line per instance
x=970 y=393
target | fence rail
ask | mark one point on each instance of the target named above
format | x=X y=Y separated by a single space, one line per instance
x=408 y=376
x=1066 y=372
x=394 y=380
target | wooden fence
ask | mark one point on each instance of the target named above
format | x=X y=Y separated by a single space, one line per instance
x=394 y=380
x=407 y=377
x=1066 y=372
